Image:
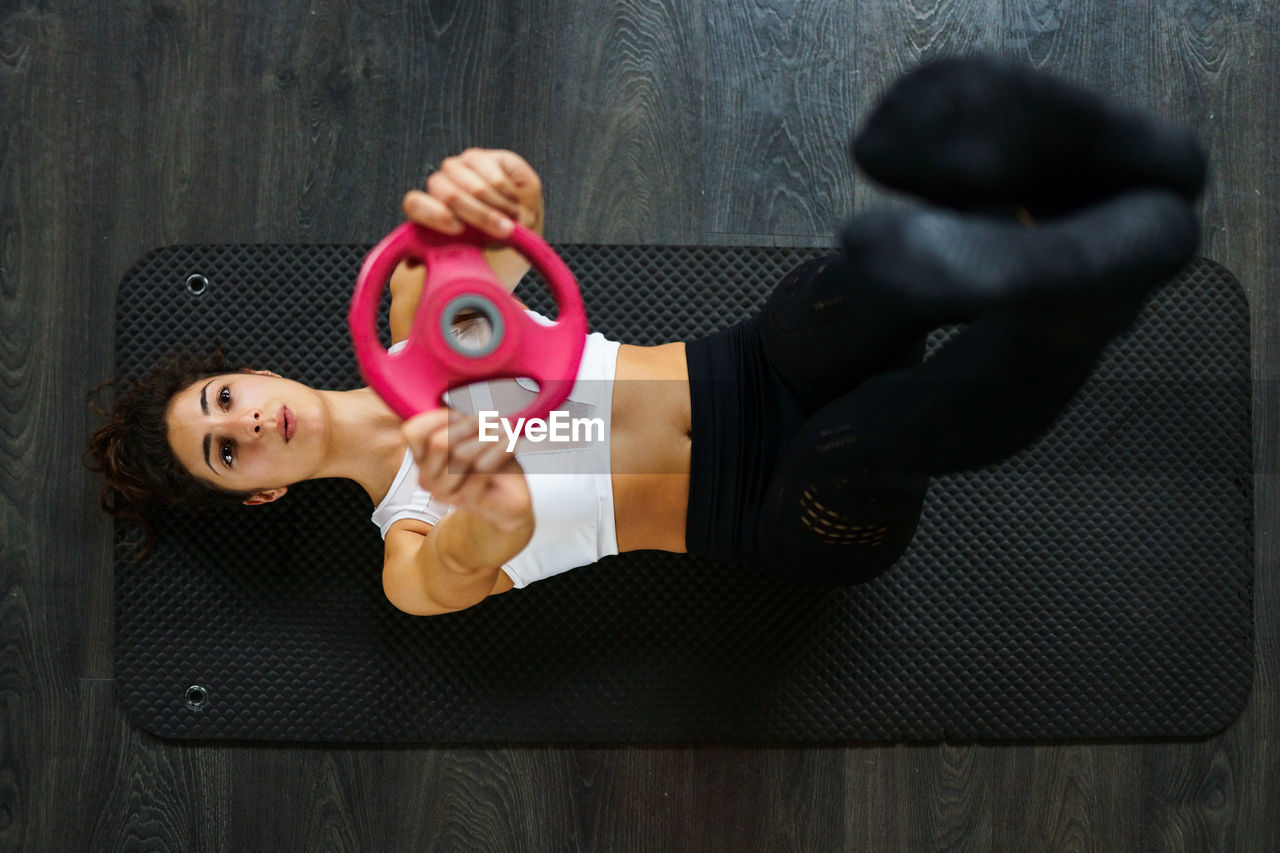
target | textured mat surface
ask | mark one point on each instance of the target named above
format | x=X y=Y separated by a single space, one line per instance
x=1099 y=584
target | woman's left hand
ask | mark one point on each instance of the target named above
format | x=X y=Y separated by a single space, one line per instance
x=458 y=466
x=484 y=188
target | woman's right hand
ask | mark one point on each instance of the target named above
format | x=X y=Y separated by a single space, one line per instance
x=455 y=466
x=487 y=189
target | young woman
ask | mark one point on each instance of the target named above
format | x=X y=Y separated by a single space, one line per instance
x=799 y=441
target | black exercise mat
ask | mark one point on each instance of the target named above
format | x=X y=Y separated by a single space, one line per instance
x=1097 y=585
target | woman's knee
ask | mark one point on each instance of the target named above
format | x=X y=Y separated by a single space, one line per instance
x=790 y=307
x=837 y=536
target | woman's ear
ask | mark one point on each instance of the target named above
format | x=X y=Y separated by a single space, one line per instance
x=263 y=373
x=269 y=496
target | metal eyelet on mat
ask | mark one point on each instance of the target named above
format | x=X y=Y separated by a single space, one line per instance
x=197 y=284
x=197 y=697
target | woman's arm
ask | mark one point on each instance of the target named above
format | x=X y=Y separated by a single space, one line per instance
x=486 y=189
x=458 y=562
x=406 y=292
x=421 y=576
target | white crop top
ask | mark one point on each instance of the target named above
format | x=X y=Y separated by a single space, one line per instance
x=569 y=482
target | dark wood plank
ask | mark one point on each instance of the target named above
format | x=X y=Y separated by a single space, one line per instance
x=131 y=125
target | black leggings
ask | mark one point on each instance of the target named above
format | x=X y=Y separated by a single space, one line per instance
x=816 y=425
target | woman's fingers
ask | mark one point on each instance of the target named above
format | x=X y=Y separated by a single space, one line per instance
x=460 y=446
x=455 y=466
x=475 y=189
x=470 y=492
x=472 y=205
x=521 y=175
x=428 y=440
x=526 y=185
x=493 y=457
x=431 y=212
x=449 y=453
x=485 y=178
x=488 y=190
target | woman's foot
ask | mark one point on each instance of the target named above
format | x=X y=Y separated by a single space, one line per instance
x=953 y=267
x=986 y=133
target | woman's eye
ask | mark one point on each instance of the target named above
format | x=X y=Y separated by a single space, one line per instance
x=225 y=452
x=224 y=397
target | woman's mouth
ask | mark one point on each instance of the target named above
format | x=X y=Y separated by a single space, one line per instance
x=286 y=423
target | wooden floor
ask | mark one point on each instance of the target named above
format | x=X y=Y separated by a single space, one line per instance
x=129 y=125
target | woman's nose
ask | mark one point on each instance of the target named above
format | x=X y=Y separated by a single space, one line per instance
x=252 y=423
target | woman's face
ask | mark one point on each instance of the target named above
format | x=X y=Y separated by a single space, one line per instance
x=252 y=431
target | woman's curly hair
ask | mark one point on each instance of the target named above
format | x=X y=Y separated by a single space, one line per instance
x=142 y=477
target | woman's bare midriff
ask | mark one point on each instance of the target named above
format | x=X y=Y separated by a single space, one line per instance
x=649 y=447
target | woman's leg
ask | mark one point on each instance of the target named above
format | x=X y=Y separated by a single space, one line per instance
x=843 y=502
x=1112 y=188
x=832 y=323
x=983 y=133
x=823 y=334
